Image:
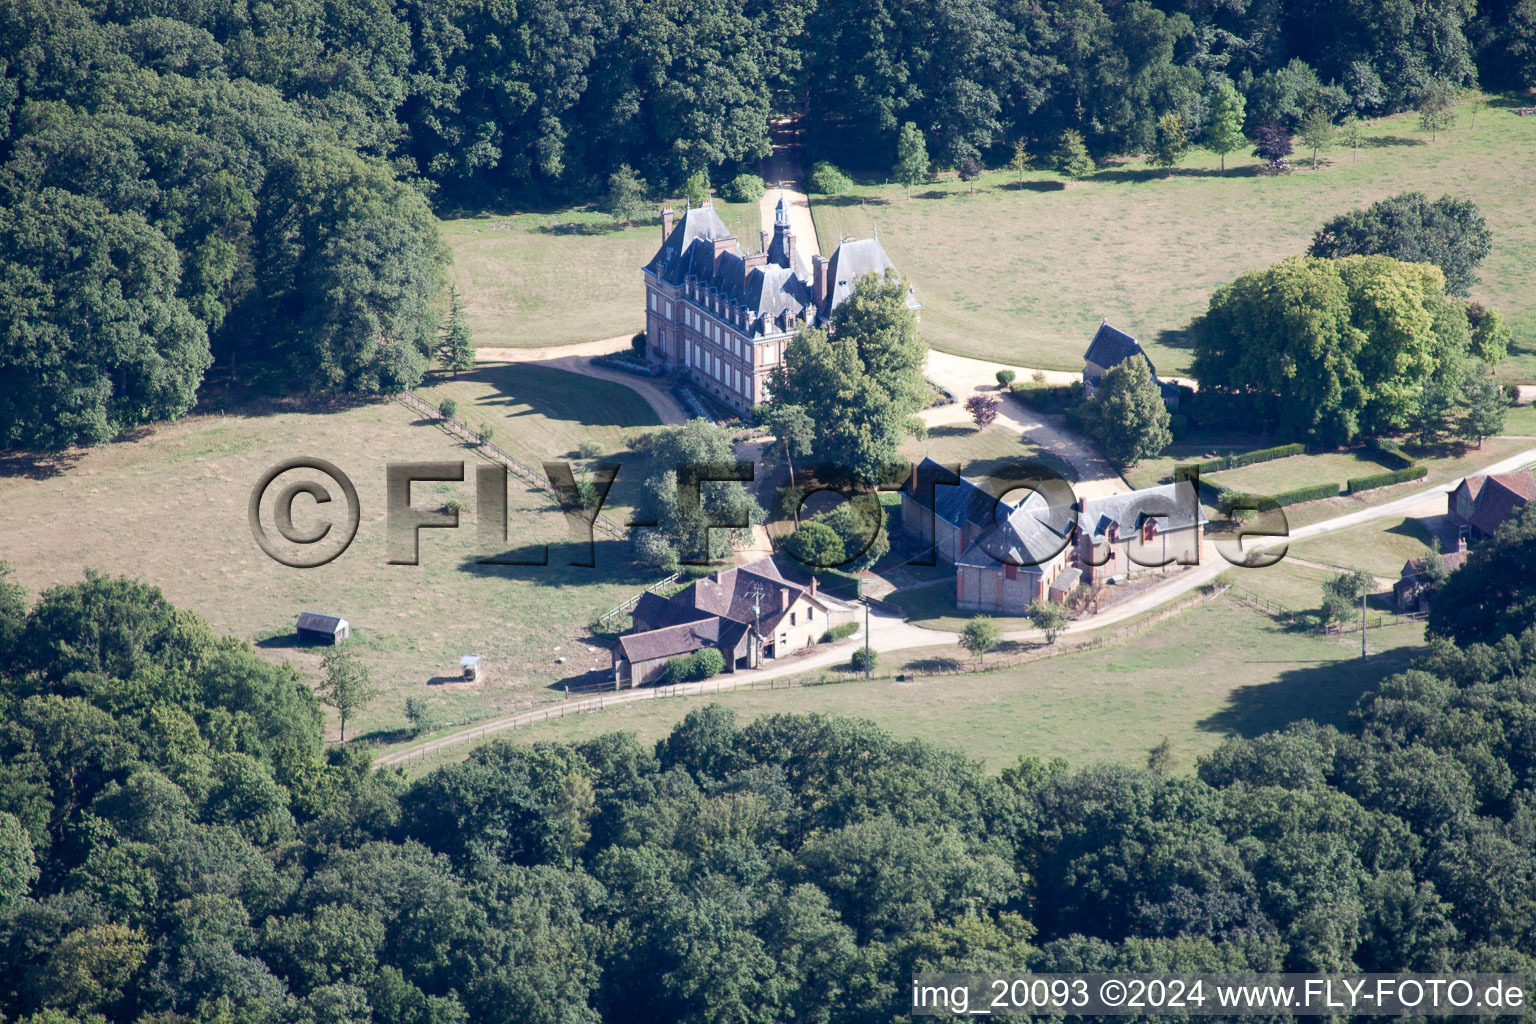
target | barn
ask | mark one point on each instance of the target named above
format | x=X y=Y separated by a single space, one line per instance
x=316 y=628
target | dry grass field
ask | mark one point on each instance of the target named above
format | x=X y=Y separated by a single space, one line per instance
x=1022 y=272
x=169 y=508
x=1219 y=670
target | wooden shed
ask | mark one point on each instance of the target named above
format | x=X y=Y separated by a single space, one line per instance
x=316 y=628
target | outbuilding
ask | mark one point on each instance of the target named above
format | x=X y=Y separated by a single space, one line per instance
x=316 y=628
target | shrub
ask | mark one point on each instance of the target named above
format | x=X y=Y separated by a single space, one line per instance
x=843 y=631
x=446 y=408
x=744 y=188
x=1005 y=378
x=676 y=671
x=827 y=180
x=1038 y=376
x=1356 y=484
x=705 y=662
x=638 y=343
x=590 y=449
x=982 y=408
x=858 y=662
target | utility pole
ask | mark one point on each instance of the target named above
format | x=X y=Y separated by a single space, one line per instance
x=866 y=639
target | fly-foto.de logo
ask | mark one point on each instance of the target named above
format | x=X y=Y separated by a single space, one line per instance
x=313 y=509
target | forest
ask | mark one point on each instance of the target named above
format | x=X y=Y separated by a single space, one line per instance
x=251 y=186
x=177 y=845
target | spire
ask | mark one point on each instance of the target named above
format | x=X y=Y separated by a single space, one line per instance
x=781 y=212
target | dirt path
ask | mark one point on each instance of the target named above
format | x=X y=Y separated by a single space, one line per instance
x=577 y=359
x=961 y=376
x=784 y=176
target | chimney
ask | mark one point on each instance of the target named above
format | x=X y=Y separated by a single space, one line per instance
x=789 y=247
x=762 y=238
x=813 y=586
x=724 y=245
x=666 y=222
x=820 y=268
x=783 y=599
x=757 y=259
x=1461 y=541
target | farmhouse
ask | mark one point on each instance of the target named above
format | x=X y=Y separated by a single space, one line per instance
x=749 y=614
x=1109 y=348
x=1479 y=504
x=725 y=315
x=1007 y=557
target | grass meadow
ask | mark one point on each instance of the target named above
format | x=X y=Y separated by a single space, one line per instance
x=528 y=280
x=1222 y=669
x=1022 y=271
x=169 y=508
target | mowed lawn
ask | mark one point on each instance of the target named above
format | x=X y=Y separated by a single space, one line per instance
x=540 y=412
x=170 y=506
x=1022 y=273
x=528 y=280
x=1219 y=670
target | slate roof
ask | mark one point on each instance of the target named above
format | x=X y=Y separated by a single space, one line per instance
x=320 y=623
x=1067 y=579
x=1025 y=538
x=854 y=258
x=776 y=293
x=1129 y=510
x=1112 y=346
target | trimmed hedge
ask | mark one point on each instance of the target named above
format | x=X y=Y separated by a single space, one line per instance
x=1284 y=498
x=1356 y=484
x=626 y=366
x=1240 y=459
x=843 y=584
x=1389 y=453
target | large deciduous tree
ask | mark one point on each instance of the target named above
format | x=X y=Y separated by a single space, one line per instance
x=1448 y=232
x=1327 y=350
x=1493 y=594
x=677 y=495
x=93 y=335
x=860 y=380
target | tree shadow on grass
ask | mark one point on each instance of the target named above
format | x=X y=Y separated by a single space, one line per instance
x=39 y=465
x=383 y=737
x=934 y=193
x=1035 y=186
x=1175 y=337
x=1136 y=176
x=584 y=228
x=933 y=666
x=551 y=566
x=1383 y=141
x=1324 y=692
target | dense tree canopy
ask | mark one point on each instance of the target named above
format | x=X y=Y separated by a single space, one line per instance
x=176 y=846
x=1328 y=350
x=860 y=381
x=1449 y=232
